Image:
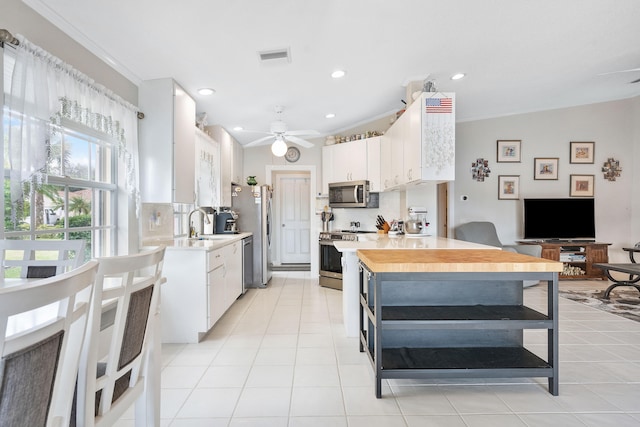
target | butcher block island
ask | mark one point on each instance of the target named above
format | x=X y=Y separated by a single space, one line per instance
x=455 y=313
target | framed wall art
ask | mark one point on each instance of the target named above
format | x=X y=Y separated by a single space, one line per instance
x=545 y=168
x=581 y=186
x=509 y=151
x=508 y=187
x=581 y=152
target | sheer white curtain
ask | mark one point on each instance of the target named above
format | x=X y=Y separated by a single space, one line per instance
x=45 y=90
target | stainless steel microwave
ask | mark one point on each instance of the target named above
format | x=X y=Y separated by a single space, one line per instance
x=350 y=194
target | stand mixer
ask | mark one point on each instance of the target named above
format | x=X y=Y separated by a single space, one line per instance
x=417 y=224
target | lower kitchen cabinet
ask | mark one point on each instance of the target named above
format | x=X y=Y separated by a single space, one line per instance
x=201 y=286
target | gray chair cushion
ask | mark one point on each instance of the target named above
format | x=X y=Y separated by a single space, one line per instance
x=135 y=325
x=482 y=232
x=41 y=272
x=26 y=383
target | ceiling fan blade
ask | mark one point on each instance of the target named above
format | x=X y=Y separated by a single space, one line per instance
x=635 y=81
x=308 y=132
x=301 y=142
x=260 y=141
x=620 y=71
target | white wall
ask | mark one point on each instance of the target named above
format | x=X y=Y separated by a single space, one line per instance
x=18 y=18
x=548 y=134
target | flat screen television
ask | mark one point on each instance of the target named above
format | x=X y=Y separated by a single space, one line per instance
x=559 y=219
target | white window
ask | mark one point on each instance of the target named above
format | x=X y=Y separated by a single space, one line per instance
x=77 y=198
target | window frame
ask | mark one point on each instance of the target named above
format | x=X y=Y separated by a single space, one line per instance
x=102 y=141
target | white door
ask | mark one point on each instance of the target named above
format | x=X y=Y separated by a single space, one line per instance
x=295 y=218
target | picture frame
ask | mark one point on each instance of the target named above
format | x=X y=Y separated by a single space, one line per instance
x=545 y=168
x=581 y=152
x=508 y=187
x=508 y=151
x=581 y=185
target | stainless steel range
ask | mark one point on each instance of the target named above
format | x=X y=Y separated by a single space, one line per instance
x=331 y=259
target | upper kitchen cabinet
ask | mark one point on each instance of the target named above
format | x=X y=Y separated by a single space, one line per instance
x=429 y=148
x=231 y=160
x=166 y=142
x=420 y=145
x=352 y=161
x=207 y=170
x=392 y=154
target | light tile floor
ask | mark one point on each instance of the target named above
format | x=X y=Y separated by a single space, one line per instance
x=279 y=357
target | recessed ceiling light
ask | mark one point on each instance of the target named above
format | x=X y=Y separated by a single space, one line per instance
x=337 y=74
x=457 y=76
x=330 y=116
x=238 y=128
x=206 y=91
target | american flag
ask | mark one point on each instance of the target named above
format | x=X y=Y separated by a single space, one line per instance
x=439 y=105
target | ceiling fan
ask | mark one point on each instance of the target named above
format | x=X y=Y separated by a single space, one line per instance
x=279 y=133
x=623 y=71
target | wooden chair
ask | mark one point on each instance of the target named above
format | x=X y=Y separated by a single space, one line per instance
x=129 y=287
x=42 y=258
x=40 y=353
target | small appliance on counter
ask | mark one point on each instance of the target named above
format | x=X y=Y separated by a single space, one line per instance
x=417 y=224
x=226 y=223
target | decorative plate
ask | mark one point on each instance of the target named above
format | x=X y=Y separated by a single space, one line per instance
x=292 y=154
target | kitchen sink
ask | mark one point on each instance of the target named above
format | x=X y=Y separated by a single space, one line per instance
x=213 y=237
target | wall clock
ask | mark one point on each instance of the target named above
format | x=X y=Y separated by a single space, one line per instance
x=292 y=154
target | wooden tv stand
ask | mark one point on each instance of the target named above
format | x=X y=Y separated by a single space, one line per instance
x=593 y=252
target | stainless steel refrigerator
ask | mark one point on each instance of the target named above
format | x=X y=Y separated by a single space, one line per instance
x=253 y=206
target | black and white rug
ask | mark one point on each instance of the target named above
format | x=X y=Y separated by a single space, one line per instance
x=623 y=302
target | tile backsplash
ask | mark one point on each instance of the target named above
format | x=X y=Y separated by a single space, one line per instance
x=156 y=221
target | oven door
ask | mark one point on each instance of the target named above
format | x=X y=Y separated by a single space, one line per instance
x=330 y=265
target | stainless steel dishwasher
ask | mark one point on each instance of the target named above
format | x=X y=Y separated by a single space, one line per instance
x=247 y=263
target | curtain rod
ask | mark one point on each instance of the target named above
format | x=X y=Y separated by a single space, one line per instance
x=7 y=37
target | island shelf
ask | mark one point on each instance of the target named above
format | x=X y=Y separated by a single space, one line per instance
x=445 y=314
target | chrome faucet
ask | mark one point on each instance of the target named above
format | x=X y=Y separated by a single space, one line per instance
x=192 y=229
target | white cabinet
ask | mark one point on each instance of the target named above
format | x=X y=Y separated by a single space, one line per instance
x=430 y=143
x=207 y=170
x=391 y=149
x=420 y=145
x=349 y=161
x=215 y=287
x=233 y=272
x=237 y=176
x=352 y=161
x=373 y=163
x=231 y=160
x=201 y=286
x=166 y=143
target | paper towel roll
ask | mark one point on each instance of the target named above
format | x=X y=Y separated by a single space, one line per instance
x=208 y=228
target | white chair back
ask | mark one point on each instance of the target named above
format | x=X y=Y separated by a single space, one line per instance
x=43 y=325
x=127 y=286
x=41 y=258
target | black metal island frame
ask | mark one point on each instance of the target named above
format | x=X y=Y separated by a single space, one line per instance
x=453 y=314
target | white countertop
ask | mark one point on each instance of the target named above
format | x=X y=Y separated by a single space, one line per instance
x=383 y=241
x=206 y=243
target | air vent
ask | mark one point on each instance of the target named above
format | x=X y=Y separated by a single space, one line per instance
x=273 y=56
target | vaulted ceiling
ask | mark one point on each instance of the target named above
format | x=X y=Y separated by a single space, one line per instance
x=518 y=55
